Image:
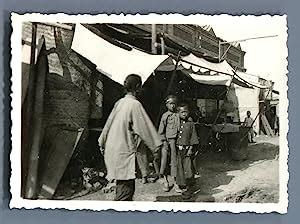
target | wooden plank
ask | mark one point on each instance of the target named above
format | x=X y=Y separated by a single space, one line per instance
x=267 y=126
x=59 y=25
x=35 y=118
x=60 y=153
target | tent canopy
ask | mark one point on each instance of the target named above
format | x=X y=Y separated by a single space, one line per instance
x=111 y=60
x=251 y=80
x=202 y=65
x=206 y=72
x=117 y=62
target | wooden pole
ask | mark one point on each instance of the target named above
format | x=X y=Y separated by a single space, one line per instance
x=162 y=41
x=36 y=130
x=219 y=48
x=169 y=87
x=153 y=39
x=29 y=108
x=174 y=74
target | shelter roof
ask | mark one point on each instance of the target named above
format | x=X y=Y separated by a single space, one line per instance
x=116 y=60
x=112 y=60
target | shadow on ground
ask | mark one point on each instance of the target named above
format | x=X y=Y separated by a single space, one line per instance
x=213 y=167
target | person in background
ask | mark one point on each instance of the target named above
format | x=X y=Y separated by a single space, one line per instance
x=168 y=129
x=248 y=122
x=127 y=126
x=187 y=139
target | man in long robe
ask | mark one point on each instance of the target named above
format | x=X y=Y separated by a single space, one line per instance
x=127 y=125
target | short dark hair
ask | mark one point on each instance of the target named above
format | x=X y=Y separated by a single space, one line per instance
x=132 y=82
x=170 y=97
x=183 y=105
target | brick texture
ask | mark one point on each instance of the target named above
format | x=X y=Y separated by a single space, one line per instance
x=75 y=79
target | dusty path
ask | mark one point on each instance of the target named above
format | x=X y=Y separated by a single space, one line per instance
x=221 y=179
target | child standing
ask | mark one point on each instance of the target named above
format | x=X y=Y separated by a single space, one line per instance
x=168 y=129
x=187 y=138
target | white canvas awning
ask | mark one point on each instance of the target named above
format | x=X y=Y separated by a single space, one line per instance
x=207 y=72
x=218 y=79
x=111 y=60
x=251 y=80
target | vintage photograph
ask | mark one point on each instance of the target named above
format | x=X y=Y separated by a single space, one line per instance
x=178 y=111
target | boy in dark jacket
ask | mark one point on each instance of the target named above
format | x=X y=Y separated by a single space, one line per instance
x=186 y=140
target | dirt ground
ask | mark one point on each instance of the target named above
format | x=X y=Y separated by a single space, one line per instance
x=221 y=179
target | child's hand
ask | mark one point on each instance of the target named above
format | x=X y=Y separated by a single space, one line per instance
x=189 y=152
x=102 y=150
x=165 y=144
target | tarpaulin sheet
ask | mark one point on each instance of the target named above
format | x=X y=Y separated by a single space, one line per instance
x=218 y=79
x=111 y=60
x=251 y=80
x=245 y=99
x=207 y=72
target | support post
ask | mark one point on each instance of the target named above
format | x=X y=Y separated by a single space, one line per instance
x=162 y=45
x=170 y=85
x=36 y=130
x=153 y=39
x=219 y=55
x=29 y=185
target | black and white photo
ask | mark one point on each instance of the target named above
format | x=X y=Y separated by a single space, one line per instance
x=163 y=112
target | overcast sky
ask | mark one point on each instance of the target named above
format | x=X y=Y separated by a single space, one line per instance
x=264 y=57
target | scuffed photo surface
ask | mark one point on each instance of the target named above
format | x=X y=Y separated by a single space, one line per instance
x=229 y=72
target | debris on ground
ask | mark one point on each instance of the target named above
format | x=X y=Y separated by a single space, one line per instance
x=110 y=187
x=254 y=195
x=220 y=179
x=91 y=180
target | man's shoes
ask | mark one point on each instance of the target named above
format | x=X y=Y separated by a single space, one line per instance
x=161 y=181
x=144 y=180
x=167 y=187
x=178 y=189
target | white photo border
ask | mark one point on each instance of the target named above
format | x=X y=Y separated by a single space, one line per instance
x=15 y=181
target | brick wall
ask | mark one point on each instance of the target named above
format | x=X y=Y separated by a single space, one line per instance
x=65 y=63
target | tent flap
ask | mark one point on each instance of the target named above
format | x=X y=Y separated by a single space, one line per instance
x=111 y=60
x=212 y=79
x=202 y=64
x=207 y=72
x=251 y=80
